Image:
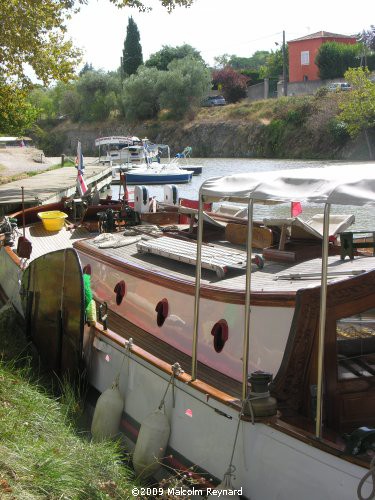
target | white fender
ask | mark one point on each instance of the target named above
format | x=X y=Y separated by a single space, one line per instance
x=151 y=444
x=107 y=415
x=141 y=199
x=171 y=194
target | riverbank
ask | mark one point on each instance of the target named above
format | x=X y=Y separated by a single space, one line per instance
x=43 y=453
x=305 y=127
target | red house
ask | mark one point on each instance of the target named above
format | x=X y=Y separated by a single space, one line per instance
x=302 y=53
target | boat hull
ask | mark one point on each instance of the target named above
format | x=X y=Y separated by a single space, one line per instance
x=133 y=178
x=269 y=464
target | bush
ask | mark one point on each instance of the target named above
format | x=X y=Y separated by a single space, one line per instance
x=338 y=131
x=233 y=84
x=334 y=58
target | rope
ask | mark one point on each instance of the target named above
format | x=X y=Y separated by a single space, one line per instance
x=176 y=370
x=370 y=473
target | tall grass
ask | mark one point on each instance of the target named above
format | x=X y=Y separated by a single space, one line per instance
x=42 y=455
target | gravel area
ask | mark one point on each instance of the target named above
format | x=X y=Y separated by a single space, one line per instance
x=17 y=160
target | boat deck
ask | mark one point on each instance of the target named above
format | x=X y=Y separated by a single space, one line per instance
x=44 y=241
x=274 y=276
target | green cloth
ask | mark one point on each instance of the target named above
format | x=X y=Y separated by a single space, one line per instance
x=87 y=289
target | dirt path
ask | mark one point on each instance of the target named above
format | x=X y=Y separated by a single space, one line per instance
x=16 y=161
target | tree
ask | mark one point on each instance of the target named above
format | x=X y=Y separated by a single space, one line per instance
x=183 y=86
x=167 y=54
x=140 y=96
x=132 y=56
x=222 y=61
x=358 y=107
x=334 y=58
x=233 y=84
x=32 y=36
x=273 y=66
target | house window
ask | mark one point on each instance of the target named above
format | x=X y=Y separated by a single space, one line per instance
x=305 y=58
x=355 y=336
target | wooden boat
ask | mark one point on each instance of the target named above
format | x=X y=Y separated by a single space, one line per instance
x=311 y=324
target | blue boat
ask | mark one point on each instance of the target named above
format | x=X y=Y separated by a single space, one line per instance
x=158 y=175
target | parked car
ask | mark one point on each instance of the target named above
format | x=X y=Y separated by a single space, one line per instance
x=338 y=86
x=214 y=100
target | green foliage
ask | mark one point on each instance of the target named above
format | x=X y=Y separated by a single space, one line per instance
x=183 y=86
x=52 y=143
x=92 y=97
x=161 y=59
x=273 y=66
x=16 y=113
x=358 y=107
x=275 y=134
x=258 y=59
x=42 y=453
x=139 y=98
x=334 y=58
x=132 y=56
x=338 y=130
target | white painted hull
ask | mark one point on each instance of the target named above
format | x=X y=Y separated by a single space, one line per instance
x=142 y=297
x=269 y=464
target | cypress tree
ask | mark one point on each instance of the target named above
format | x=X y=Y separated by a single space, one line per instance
x=132 y=53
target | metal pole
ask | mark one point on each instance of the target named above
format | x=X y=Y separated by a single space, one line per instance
x=322 y=323
x=198 y=274
x=246 y=335
x=285 y=85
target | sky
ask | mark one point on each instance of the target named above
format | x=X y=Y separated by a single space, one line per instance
x=213 y=27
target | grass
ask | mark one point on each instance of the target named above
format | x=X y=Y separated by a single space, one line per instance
x=42 y=455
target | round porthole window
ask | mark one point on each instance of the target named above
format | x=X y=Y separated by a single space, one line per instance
x=162 y=312
x=87 y=269
x=120 y=290
x=220 y=334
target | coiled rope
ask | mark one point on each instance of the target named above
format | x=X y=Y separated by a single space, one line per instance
x=370 y=473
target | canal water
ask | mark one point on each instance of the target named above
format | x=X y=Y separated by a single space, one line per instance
x=218 y=167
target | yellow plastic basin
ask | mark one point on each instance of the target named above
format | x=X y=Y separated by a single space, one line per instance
x=53 y=220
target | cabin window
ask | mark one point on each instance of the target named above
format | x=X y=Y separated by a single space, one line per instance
x=355 y=337
x=162 y=312
x=120 y=290
x=220 y=334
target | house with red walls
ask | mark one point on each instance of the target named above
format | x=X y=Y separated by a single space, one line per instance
x=302 y=53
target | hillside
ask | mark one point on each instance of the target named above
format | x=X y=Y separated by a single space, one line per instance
x=305 y=127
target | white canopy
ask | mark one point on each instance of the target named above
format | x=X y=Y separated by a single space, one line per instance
x=345 y=184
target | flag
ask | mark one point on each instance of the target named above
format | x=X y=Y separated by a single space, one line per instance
x=81 y=184
x=296 y=208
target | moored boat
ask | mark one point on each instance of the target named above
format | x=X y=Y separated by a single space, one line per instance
x=174 y=311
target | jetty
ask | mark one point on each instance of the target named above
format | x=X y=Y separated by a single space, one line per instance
x=51 y=186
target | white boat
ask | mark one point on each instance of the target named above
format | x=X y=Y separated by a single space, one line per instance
x=119 y=150
x=310 y=324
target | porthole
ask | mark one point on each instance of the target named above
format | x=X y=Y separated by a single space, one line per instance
x=162 y=312
x=87 y=269
x=220 y=334
x=120 y=290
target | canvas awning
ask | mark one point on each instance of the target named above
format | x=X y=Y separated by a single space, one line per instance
x=345 y=184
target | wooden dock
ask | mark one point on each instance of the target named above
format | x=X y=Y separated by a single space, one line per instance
x=51 y=186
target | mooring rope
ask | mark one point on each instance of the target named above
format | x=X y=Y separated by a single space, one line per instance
x=371 y=473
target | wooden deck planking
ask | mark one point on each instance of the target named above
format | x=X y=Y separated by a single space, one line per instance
x=262 y=279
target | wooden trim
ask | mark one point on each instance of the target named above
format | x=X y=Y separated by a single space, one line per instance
x=13 y=256
x=166 y=368
x=230 y=296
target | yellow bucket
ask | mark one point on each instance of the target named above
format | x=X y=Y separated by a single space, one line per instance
x=53 y=220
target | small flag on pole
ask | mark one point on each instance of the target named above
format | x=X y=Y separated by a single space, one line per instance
x=296 y=208
x=79 y=159
x=81 y=184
